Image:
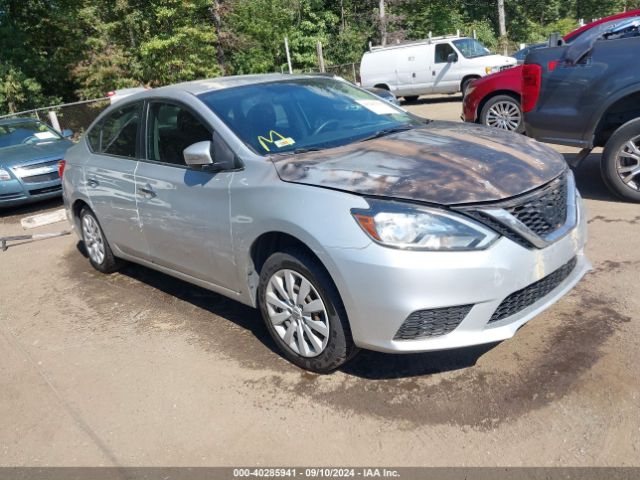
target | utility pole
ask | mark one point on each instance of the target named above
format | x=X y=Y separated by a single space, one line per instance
x=320 y=56
x=286 y=48
x=502 y=25
x=383 y=24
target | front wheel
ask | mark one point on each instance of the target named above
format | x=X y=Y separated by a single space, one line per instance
x=503 y=112
x=303 y=312
x=620 y=165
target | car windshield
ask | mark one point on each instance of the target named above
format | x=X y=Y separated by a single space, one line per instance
x=305 y=114
x=470 y=48
x=26 y=132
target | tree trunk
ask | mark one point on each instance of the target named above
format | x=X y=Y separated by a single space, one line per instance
x=214 y=10
x=502 y=24
x=383 y=24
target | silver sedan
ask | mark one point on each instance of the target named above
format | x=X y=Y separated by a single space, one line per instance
x=347 y=221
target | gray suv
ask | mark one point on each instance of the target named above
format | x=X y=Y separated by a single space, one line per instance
x=347 y=221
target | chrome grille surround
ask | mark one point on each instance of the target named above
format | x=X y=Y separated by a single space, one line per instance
x=536 y=219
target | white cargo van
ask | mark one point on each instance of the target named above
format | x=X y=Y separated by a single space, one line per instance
x=435 y=65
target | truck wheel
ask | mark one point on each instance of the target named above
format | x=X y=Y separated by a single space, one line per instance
x=465 y=85
x=303 y=312
x=504 y=112
x=620 y=163
x=411 y=98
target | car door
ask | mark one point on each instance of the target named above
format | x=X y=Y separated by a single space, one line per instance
x=444 y=73
x=110 y=178
x=184 y=211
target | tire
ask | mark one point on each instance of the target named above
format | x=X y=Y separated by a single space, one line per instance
x=465 y=85
x=619 y=162
x=411 y=98
x=334 y=346
x=501 y=111
x=96 y=245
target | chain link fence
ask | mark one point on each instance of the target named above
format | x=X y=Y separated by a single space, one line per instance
x=75 y=116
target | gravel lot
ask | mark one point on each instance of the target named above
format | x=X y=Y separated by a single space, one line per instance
x=137 y=368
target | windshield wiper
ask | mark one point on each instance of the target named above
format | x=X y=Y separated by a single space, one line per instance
x=385 y=132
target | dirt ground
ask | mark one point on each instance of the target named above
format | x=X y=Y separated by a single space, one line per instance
x=136 y=368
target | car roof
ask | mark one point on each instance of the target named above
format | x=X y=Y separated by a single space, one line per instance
x=589 y=26
x=14 y=120
x=197 y=87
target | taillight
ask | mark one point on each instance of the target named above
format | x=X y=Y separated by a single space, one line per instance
x=531 y=79
x=61 y=165
x=111 y=93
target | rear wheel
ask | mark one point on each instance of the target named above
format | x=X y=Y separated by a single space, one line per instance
x=304 y=313
x=96 y=245
x=620 y=163
x=503 y=112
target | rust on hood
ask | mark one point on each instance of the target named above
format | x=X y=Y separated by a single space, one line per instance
x=443 y=162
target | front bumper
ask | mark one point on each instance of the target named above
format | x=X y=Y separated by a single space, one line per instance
x=14 y=192
x=381 y=287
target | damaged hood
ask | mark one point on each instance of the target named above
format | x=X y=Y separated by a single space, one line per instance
x=443 y=162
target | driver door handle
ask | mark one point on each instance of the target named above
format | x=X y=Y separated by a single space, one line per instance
x=146 y=191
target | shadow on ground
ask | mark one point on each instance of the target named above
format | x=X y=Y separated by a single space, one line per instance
x=589 y=180
x=368 y=364
x=427 y=100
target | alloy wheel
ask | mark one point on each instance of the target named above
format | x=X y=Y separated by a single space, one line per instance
x=504 y=115
x=297 y=313
x=628 y=163
x=93 y=240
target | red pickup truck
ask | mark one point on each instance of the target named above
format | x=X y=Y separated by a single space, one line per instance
x=494 y=100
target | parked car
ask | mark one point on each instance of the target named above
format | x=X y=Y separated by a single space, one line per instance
x=347 y=221
x=587 y=94
x=29 y=156
x=384 y=94
x=494 y=100
x=117 y=95
x=522 y=53
x=437 y=65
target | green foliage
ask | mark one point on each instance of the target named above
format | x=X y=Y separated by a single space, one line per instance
x=67 y=49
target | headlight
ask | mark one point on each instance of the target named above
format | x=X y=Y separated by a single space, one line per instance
x=406 y=226
x=489 y=70
x=4 y=175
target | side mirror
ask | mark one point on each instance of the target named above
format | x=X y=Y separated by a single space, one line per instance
x=198 y=154
x=452 y=58
x=214 y=155
x=555 y=40
x=67 y=133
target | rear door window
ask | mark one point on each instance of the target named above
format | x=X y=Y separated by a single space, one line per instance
x=119 y=132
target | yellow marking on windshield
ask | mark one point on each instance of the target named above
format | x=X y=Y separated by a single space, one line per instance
x=276 y=139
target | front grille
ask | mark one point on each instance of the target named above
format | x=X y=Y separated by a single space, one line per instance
x=50 y=163
x=45 y=177
x=502 y=229
x=518 y=301
x=42 y=191
x=432 y=323
x=545 y=212
x=10 y=196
